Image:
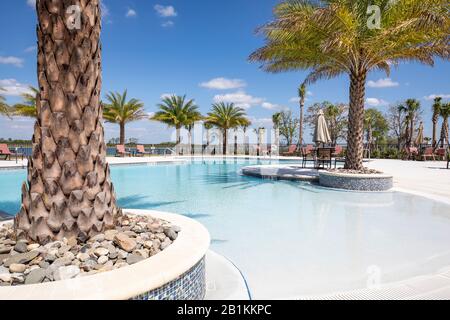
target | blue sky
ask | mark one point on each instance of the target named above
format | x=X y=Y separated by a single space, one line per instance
x=198 y=48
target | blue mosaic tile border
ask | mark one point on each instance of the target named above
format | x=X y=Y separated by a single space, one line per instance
x=189 y=286
x=356 y=184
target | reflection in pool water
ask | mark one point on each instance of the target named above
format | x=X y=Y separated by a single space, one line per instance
x=288 y=238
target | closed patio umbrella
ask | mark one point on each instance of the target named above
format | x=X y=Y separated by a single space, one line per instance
x=419 y=139
x=321 y=133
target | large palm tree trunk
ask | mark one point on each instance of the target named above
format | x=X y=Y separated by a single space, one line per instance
x=355 y=145
x=68 y=192
x=122 y=133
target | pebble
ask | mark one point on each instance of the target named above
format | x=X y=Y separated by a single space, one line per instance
x=124 y=242
x=83 y=256
x=110 y=234
x=134 y=258
x=102 y=259
x=21 y=258
x=101 y=252
x=33 y=246
x=35 y=276
x=21 y=247
x=5 y=249
x=17 y=268
x=64 y=273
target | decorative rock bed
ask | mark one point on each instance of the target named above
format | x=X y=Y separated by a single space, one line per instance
x=114 y=265
x=281 y=172
x=356 y=182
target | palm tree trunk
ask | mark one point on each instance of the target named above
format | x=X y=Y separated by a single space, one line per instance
x=434 y=142
x=178 y=143
x=355 y=145
x=68 y=192
x=190 y=141
x=225 y=142
x=277 y=140
x=235 y=143
x=444 y=133
x=300 y=131
x=411 y=134
x=122 y=133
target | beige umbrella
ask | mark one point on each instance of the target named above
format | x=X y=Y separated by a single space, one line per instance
x=419 y=139
x=321 y=133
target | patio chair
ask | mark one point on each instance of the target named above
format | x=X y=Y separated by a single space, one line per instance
x=440 y=153
x=323 y=158
x=307 y=155
x=292 y=151
x=4 y=151
x=121 y=152
x=411 y=153
x=428 y=153
x=140 y=151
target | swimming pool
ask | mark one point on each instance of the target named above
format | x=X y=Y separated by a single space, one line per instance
x=288 y=238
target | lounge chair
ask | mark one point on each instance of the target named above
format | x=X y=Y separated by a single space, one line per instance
x=428 y=153
x=121 y=152
x=292 y=151
x=4 y=151
x=140 y=151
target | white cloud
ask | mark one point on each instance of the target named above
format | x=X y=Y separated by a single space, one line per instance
x=240 y=98
x=31 y=3
x=165 y=11
x=223 y=84
x=131 y=13
x=30 y=49
x=274 y=107
x=11 y=87
x=382 y=83
x=18 y=62
x=374 y=102
x=432 y=96
x=167 y=24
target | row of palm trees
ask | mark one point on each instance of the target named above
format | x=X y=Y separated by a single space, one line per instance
x=175 y=111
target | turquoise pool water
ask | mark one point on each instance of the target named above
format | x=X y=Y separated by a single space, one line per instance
x=288 y=238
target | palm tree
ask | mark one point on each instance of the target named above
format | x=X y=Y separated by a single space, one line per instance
x=411 y=108
x=334 y=37
x=245 y=124
x=437 y=105
x=28 y=107
x=119 y=110
x=302 y=96
x=445 y=114
x=4 y=108
x=68 y=192
x=276 y=120
x=208 y=126
x=226 y=116
x=193 y=117
x=175 y=111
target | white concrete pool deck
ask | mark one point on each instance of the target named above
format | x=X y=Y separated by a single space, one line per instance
x=429 y=179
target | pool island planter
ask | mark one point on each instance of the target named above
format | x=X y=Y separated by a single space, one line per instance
x=177 y=273
x=355 y=182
